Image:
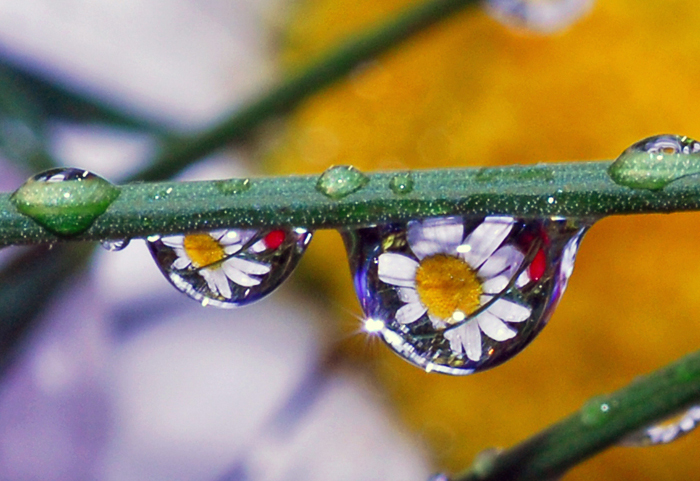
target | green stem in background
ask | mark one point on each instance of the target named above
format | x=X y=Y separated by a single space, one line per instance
x=57 y=101
x=344 y=197
x=600 y=423
x=181 y=151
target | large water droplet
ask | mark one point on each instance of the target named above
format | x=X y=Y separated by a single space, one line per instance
x=543 y=16
x=65 y=201
x=401 y=183
x=462 y=294
x=655 y=162
x=229 y=267
x=340 y=181
x=667 y=431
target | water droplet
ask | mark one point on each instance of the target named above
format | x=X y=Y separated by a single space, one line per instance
x=65 y=201
x=462 y=294
x=229 y=267
x=667 y=431
x=232 y=186
x=598 y=410
x=546 y=16
x=340 y=181
x=655 y=162
x=401 y=183
x=115 y=245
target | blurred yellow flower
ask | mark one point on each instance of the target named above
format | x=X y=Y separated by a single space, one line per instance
x=472 y=92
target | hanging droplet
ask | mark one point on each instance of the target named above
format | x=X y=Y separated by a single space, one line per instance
x=65 y=201
x=462 y=294
x=340 y=181
x=401 y=183
x=543 y=16
x=667 y=431
x=655 y=162
x=229 y=267
x=115 y=245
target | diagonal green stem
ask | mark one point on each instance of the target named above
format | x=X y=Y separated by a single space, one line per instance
x=600 y=423
x=330 y=68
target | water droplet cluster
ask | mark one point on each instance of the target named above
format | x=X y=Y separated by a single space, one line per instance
x=229 y=267
x=65 y=201
x=667 y=431
x=462 y=294
x=655 y=162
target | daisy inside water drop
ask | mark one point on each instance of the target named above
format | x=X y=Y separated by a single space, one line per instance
x=229 y=267
x=461 y=294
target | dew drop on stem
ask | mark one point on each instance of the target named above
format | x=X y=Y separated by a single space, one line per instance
x=340 y=181
x=462 y=294
x=229 y=267
x=667 y=431
x=65 y=201
x=655 y=162
x=401 y=183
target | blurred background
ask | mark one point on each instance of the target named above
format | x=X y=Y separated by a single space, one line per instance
x=125 y=379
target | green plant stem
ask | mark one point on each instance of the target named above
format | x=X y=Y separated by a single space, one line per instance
x=58 y=101
x=552 y=452
x=181 y=151
x=571 y=190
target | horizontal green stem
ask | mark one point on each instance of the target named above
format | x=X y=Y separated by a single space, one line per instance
x=574 y=190
x=331 y=67
x=600 y=423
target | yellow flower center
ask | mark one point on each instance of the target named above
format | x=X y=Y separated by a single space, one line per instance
x=203 y=250
x=447 y=285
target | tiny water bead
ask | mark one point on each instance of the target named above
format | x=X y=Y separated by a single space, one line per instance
x=115 y=245
x=667 y=431
x=655 y=162
x=65 y=201
x=462 y=294
x=340 y=181
x=401 y=183
x=543 y=16
x=229 y=267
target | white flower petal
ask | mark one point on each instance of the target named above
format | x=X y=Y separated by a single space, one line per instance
x=232 y=249
x=493 y=327
x=409 y=313
x=219 y=277
x=485 y=239
x=407 y=295
x=238 y=277
x=523 y=279
x=506 y=260
x=397 y=270
x=259 y=246
x=495 y=284
x=436 y=321
x=211 y=282
x=507 y=310
x=236 y=237
x=248 y=267
x=181 y=263
x=432 y=236
x=472 y=341
x=173 y=240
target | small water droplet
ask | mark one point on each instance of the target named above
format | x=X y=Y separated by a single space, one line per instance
x=667 y=431
x=115 y=245
x=340 y=181
x=233 y=186
x=401 y=183
x=229 y=267
x=655 y=162
x=462 y=294
x=598 y=410
x=540 y=16
x=65 y=201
